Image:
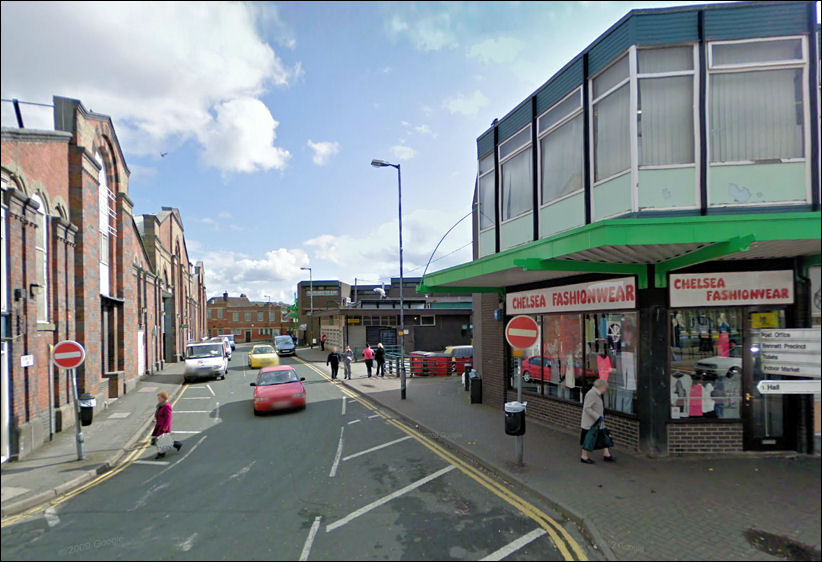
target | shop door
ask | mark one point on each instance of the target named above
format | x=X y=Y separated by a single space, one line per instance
x=767 y=418
x=247 y=336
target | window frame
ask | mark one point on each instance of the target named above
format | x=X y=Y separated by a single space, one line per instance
x=41 y=246
x=480 y=176
x=542 y=134
x=794 y=64
x=513 y=154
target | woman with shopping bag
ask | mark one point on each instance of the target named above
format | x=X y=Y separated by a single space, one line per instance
x=594 y=435
x=161 y=436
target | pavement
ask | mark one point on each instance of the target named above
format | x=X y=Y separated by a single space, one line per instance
x=744 y=507
x=53 y=469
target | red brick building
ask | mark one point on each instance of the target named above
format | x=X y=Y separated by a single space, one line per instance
x=247 y=320
x=75 y=266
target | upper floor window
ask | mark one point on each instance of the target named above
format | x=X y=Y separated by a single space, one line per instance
x=517 y=177
x=260 y=317
x=106 y=213
x=41 y=250
x=487 y=211
x=756 y=100
x=562 y=162
x=219 y=313
x=272 y=317
x=611 y=104
x=248 y=317
x=235 y=316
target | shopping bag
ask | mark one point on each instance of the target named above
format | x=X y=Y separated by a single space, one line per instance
x=604 y=440
x=165 y=442
x=591 y=437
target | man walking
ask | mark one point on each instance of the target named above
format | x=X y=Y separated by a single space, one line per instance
x=368 y=355
x=333 y=360
x=348 y=357
x=379 y=355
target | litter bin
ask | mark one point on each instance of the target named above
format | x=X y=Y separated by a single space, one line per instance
x=476 y=387
x=515 y=418
x=87 y=404
x=466 y=375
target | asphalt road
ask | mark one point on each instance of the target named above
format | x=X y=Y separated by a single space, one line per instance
x=336 y=481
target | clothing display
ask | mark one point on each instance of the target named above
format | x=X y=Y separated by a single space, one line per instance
x=695 y=403
x=570 y=376
x=723 y=344
x=604 y=366
x=707 y=400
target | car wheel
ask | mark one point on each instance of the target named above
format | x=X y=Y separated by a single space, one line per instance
x=257 y=413
x=186 y=380
x=526 y=376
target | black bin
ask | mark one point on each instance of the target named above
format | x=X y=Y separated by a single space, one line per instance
x=476 y=388
x=87 y=404
x=466 y=376
x=514 y=418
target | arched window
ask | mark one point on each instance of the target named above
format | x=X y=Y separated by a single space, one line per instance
x=106 y=228
x=41 y=264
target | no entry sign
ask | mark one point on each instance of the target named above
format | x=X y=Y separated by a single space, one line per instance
x=68 y=354
x=521 y=332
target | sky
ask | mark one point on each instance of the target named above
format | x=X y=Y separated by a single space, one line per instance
x=259 y=120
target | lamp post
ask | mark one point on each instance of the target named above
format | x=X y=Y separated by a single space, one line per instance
x=383 y=164
x=311 y=298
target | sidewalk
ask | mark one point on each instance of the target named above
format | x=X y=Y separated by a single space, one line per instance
x=637 y=508
x=53 y=469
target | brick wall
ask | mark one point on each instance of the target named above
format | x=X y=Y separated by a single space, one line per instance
x=704 y=438
x=489 y=348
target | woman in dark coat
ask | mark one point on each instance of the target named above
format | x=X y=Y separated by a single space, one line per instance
x=162 y=422
x=379 y=355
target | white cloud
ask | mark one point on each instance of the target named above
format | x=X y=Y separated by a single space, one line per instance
x=423 y=129
x=403 y=152
x=224 y=215
x=189 y=73
x=323 y=151
x=498 y=50
x=466 y=105
x=431 y=32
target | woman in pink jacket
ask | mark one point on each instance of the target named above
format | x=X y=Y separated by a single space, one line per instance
x=162 y=422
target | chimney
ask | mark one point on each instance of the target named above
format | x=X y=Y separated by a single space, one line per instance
x=225 y=297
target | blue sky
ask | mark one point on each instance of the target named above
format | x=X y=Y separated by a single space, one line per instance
x=270 y=114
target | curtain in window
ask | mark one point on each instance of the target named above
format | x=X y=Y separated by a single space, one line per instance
x=756 y=115
x=612 y=152
x=517 y=182
x=666 y=121
x=562 y=161
x=486 y=201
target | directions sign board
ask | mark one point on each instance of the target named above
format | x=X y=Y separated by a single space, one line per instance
x=789 y=387
x=522 y=332
x=68 y=354
x=792 y=353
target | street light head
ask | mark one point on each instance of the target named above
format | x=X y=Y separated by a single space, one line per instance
x=306 y=268
x=380 y=163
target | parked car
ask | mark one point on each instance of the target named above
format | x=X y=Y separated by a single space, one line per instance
x=285 y=345
x=230 y=338
x=263 y=355
x=536 y=368
x=226 y=345
x=205 y=360
x=278 y=388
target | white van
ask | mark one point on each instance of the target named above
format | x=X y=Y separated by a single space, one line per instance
x=206 y=360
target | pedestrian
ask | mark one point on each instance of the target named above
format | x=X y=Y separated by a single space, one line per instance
x=368 y=355
x=593 y=411
x=322 y=342
x=348 y=357
x=379 y=355
x=333 y=359
x=162 y=427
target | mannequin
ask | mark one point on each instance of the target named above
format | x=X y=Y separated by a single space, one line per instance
x=680 y=388
x=604 y=363
x=701 y=324
x=695 y=402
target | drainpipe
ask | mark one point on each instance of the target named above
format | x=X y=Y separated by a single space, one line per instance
x=51 y=393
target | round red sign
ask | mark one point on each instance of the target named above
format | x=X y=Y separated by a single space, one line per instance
x=68 y=354
x=521 y=332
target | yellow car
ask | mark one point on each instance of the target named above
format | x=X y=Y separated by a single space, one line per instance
x=263 y=356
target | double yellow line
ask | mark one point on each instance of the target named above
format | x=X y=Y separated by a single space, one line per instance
x=564 y=542
x=124 y=464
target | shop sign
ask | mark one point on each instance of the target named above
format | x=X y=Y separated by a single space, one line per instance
x=612 y=294
x=353 y=320
x=729 y=289
x=764 y=320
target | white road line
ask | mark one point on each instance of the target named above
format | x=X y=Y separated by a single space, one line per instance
x=374 y=416
x=375 y=504
x=310 y=539
x=211 y=390
x=343 y=406
x=196 y=398
x=354 y=421
x=188 y=432
x=242 y=471
x=186 y=545
x=217 y=416
x=377 y=448
x=514 y=546
x=51 y=516
x=334 y=466
x=158 y=463
x=181 y=459
x=151 y=491
x=192 y=411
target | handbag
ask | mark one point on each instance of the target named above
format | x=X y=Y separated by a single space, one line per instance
x=604 y=440
x=165 y=442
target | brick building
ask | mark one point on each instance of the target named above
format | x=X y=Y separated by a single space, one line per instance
x=247 y=320
x=75 y=266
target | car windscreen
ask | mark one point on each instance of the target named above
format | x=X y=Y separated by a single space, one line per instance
x=204 y=351
x=277 y=377
x=263 y=349
x=279 y=340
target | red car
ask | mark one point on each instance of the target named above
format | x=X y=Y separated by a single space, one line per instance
x=537 y=369
x=278 y=388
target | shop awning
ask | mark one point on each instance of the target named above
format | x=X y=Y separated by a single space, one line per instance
x=629 y=246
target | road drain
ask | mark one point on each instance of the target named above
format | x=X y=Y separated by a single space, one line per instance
x=783 y=547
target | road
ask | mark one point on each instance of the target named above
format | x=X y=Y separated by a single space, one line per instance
x=340 y=480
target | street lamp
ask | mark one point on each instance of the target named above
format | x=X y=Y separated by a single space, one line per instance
x=383 y=164
x=311 y=297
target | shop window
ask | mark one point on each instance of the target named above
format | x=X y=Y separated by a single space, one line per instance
x=611 y=346
x=517 y=177
x=486 y=193
x=706 y=363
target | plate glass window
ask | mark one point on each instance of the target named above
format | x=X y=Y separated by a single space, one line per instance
x=486 y=193
x=561 y=155
x=517 y=175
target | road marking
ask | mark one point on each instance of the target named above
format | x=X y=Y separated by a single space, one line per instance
x=192 y=411
x=334 y=466
x=144 y=498
x=148 y=389
x=178 y=461
x=551 y=526
x=196 y=398
x=374 y=416
x=51 y=517
x=514 y=546
x=377 y=448
x=158 y=463
x=211 y=390
x=354 y=421
x=188 y=432
x=242 y=471
x=310 y=539
x=119 y=415
x=375 y=504
x=217 y=416
x=343 y=406
x=186 y=545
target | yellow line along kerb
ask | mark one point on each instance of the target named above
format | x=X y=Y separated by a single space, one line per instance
x=551 y=526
